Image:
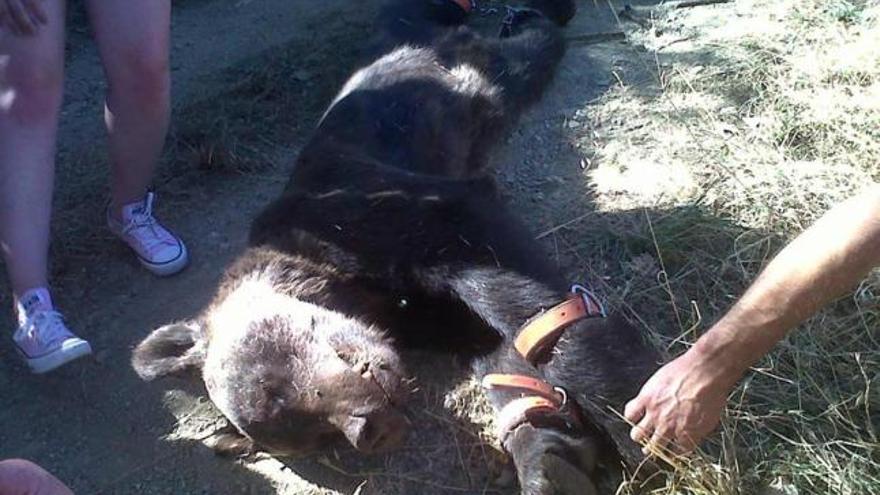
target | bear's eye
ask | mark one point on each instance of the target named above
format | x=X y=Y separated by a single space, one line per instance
x=346 y=355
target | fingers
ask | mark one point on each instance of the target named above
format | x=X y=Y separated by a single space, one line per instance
x=658 y=442
x=634 y=410
x=20 y=21
x=36 y=11
x=636 y=413
x=667 y=440
x=643 y=430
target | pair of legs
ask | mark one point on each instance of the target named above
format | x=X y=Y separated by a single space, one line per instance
x=133 y=41
x=18 y=477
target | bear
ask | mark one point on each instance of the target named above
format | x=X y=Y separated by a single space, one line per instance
x=392 y=233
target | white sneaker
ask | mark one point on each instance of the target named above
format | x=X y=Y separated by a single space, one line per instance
x=160 y=251
x=46 y=343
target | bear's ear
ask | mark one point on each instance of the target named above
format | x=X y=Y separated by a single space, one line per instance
x=170 y=350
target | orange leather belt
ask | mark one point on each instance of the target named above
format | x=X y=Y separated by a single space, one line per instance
x=539 y=399
x=534 y=339
x=521 y=411
x=543 y=330
x=525 y=384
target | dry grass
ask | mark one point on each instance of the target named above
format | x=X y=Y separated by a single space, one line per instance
x=763 y=114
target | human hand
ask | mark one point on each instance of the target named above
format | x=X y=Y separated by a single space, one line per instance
x=22 y=17
x=680 y=404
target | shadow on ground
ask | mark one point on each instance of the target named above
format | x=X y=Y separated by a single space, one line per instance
x=103 y=431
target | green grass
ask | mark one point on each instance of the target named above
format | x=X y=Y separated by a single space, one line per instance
x=766 y=114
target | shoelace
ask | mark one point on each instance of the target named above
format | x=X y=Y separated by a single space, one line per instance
x=47 y=327
x=152 y=235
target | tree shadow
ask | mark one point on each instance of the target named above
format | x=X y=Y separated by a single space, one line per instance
x=646 y=260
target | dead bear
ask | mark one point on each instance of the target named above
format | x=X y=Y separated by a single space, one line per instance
x=391 y=233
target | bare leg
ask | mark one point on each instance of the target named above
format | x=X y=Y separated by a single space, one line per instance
x=133 y=40
x=31 y=74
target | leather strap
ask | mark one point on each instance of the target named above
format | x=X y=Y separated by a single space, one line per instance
x=540 y=399
x=535 y=336
x=520 y=411
x=526 y=384
x=544 y=329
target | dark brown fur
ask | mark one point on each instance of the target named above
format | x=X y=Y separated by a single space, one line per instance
x=389 y=229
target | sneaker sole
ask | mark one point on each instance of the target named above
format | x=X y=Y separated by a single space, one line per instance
x=70 y=350
x=169 y=267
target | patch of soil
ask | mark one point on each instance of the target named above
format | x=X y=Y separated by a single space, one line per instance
x=251 y=79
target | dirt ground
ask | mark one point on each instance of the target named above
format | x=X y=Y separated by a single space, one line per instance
x=250 y=79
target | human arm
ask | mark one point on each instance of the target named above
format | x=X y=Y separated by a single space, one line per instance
x=683 y=401
x=22 y=17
